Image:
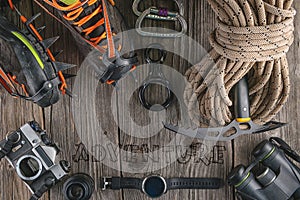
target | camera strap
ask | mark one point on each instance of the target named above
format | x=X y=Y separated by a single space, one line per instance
x=7 y=148
x=44 y=188
x=281 y=144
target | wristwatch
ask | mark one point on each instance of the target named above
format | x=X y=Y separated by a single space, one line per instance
x=155 y=185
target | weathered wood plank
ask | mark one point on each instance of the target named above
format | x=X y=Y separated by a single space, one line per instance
x=198 y=159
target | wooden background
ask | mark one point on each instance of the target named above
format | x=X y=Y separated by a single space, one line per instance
x=195 y=162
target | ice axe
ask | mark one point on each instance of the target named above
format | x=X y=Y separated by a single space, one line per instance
x=241 y=125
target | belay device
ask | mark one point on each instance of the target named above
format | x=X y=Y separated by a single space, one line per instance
x=280 y=179
x=26 y=62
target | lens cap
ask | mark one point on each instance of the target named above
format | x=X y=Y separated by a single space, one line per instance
x=79 y=187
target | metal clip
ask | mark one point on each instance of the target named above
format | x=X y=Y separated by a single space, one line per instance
x=159 y=14
x=105 y=183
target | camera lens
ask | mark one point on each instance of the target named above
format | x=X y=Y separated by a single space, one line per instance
x=29 y=167
x=79 y=187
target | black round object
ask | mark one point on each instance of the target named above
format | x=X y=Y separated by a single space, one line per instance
x=14 y=137
x=29 y=167
x=156 y=107
x=266 y=177
x=263 y=150
x=162 y=53
x=154 y=186
x=237 y=175
x=79 y=187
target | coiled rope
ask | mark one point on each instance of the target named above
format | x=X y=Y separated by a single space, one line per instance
x=252 y=37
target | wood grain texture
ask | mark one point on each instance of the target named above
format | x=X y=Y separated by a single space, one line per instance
x=197 y=159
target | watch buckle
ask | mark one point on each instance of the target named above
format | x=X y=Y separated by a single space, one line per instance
x=106 y=182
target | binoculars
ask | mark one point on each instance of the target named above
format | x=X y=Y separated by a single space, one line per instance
x=279 y=179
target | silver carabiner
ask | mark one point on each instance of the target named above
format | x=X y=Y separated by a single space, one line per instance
x=160 y=14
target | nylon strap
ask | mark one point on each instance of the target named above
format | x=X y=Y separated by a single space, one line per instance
x=44 y=188
x=6 y=149
x=109 y=34
x=280 y=143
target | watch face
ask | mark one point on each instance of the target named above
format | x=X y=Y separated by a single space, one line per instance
x=154 y=186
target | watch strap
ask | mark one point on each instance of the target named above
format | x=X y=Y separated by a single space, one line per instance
x=117 y=183
x=194 y=183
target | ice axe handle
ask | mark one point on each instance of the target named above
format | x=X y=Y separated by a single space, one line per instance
x=241 y=101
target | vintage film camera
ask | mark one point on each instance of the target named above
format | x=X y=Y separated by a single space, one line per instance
x=33 y=155
x=279 y=179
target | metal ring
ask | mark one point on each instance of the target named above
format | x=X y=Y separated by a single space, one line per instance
x=162 y=53
x=149 y=106
x=32 y=177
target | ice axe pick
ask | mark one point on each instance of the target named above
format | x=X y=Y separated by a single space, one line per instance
x=241 y=125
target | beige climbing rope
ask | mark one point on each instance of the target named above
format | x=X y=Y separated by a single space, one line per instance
x=252 y=37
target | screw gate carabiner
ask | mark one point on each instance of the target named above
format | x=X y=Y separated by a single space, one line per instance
x=162 y=14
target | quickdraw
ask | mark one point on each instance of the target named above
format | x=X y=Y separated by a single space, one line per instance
x=159 y=14
x=39 y=75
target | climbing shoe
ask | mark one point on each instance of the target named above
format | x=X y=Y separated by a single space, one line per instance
x=28 y=69
x=90 y=22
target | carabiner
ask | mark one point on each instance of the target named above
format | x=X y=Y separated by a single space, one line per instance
x=160 y=14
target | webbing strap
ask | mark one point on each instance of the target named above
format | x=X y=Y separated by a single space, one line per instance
x=280 y=143
x=6 y=149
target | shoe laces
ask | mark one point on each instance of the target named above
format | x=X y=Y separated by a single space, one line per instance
x=76 y=15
